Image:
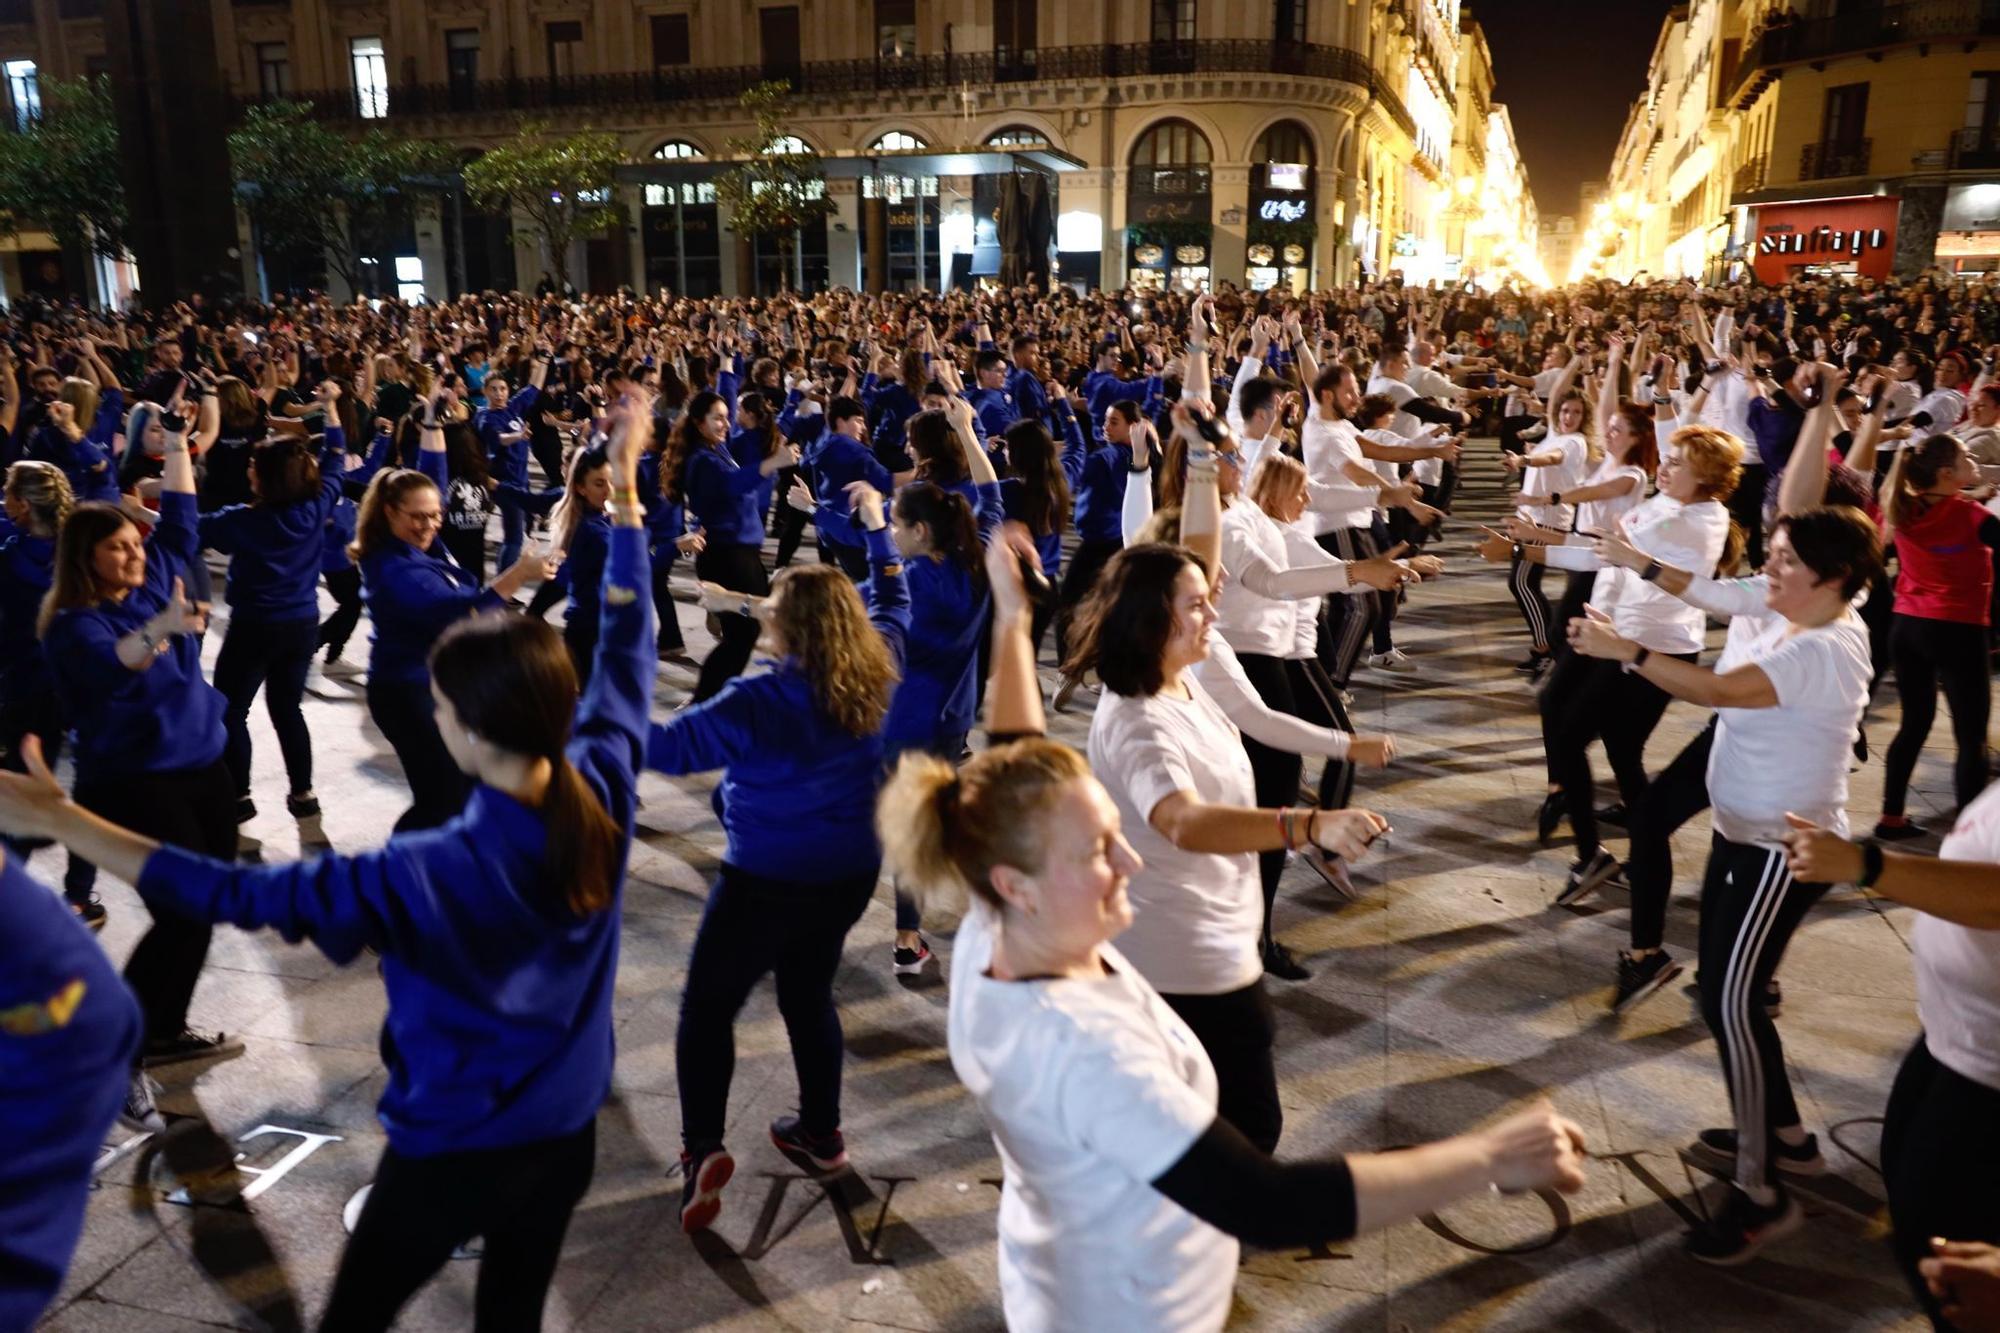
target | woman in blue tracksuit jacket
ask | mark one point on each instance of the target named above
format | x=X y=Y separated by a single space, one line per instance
x=721 y=493
x=123 y=646
x=498 y=935
x=274 y=545
x=336 y=566
x=414 y=591
x=1037 y=492
x=801 y=746
x=668 y=538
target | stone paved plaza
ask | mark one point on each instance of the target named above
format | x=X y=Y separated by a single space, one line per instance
x=1449 y=994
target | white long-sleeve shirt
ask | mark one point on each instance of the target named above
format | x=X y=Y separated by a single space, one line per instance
x=1256 y=610
x=1681 y=536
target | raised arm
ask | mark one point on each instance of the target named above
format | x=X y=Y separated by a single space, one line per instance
x=1013 y=692
x=1201 y=500
x=1804 y=483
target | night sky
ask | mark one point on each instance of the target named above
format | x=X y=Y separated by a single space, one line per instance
x=1567 y=71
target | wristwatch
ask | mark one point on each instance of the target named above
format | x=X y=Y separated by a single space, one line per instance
x=1651 y=571
x=1871 y=864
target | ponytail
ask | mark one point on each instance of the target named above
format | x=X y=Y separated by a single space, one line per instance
x=944 y=831
x=583 y=839
x=1733 y=545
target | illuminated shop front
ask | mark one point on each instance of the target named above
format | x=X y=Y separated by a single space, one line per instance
x=1169 y=209
x=1284 y=193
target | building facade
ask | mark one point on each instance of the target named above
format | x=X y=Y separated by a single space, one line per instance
x=1259 y=142
x=1785 y=136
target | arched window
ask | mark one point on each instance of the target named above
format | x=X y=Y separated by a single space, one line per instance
x=1017 y=136
x=1286 y=141
x=1171 y=158
x=896 y=141
x=690 y=192
x=786 y=143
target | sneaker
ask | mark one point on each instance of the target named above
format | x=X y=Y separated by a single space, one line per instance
x=305 y=805
x=703 y=1176
x=1716 y=1149
x=1066 y=689
x=1550 y=815
x=1333 y=870
x=1393 y=660
x=246 y=809
x=1742 y=1228
x=1615 y=815
x=142 y=1105
x=188 y=1044
x=812 y=1154
x=1901 y=831
x=1280 y=963
x=91 y=912
x=1586 y=877
x=909 y=962
x=1531 y=665
x=1641 y=977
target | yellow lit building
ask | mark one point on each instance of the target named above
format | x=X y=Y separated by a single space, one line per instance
x=1256 y=142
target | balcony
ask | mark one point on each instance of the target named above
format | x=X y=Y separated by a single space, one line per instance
x=1867 y=28
x=1832 y=161
x=1974 y=150
x=944 y=73
x=1749 y=176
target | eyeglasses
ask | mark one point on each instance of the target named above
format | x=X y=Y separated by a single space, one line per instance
x=423 y=518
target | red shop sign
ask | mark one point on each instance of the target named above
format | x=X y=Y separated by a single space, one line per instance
x=1860 y=232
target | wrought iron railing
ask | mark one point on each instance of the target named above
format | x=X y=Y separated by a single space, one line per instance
x=940 y=72
x=1751 y=175
x=1830 y=161
x=1975 y=148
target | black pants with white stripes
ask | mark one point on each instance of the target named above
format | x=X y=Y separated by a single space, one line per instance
x=1346 y=617
x=1525 y=582
x=1750 y=905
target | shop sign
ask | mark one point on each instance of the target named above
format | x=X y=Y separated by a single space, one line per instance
x=1861 y=232
x=1283 y=210
x=1170 y=210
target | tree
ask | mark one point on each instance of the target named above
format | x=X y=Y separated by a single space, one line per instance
x=62 y=173
x=563 y=185
x=778 y=190
x=319 y=197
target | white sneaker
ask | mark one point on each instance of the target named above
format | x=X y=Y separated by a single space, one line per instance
x=142 y=1110
x=1393 y=660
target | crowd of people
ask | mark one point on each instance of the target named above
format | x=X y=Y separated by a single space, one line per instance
x=1210 y=506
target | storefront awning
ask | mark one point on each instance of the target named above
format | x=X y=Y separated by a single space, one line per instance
x=857 y=166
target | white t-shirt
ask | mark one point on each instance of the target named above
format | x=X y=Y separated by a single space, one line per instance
x=1407 y=428
x=1945 y=406
x=1196 y=916
x=1327 y=446
x=1256 y=611
x=1958 y=968
x=1601 y=516
x=1092 y=1090
x=1680 y=536
x=1792 y=757
x=1565 y=475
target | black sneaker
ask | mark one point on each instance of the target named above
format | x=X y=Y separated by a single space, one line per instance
x=246 y=809
x=1531 y=665
x=1742 y=1228
x=1641 y=977
x=1615 y=815
x=303 y=806
x=1902 y=832
x=703 y=1176
x=1716 y=1149
x=1280 y=963
x=813 y=1154
x=90 y=911
x=188 y=1044
x=1550 y=815
x=909 y=962
x=1586 y=877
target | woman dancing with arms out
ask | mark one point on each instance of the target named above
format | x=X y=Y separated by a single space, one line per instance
x=1126 y=1194
x=498 y=935
x=801 y=749
x=1788 y=691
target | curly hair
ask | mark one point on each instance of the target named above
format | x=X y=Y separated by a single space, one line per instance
x=825 y=628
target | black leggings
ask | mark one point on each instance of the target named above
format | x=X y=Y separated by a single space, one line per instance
x=1678 y=794
x=191 y=808
x=1085 y=564
x=1280 y=683
x=1237 y=1029
x=1525 y=582
x=274 y=657
x=41 y=716
x=740 y=568
x=1929 y=653
x=1938 y=1163
x=407 y=719
x=338 y=628
x=1750 y=905
x=669 y=619
x=1586 y=699
x=753 y=925
x=1347 y=617
x=787 y=522
x=518 y=1200
x=1578 y=584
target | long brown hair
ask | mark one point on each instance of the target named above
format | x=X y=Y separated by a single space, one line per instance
x=75 y=583
x=944 y=830
x=683 y=441
x=1031 y=457
x=1122 y=627
x=389 y=490
x=825 y=628
x=511 y=681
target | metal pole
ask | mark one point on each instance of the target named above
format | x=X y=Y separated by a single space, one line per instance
x=920 y=236
x=680 y=244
